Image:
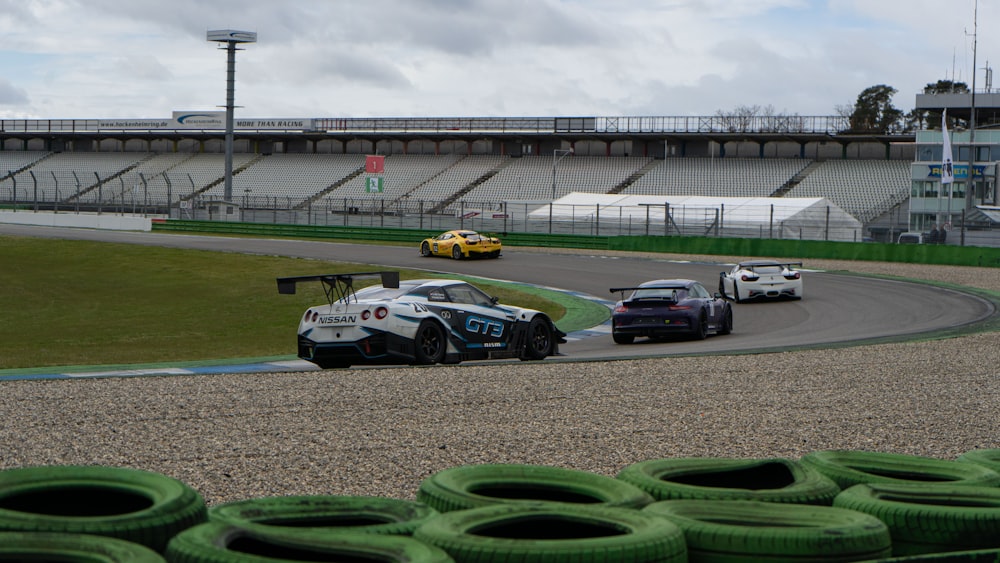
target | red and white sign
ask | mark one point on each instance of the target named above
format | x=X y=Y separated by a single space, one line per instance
x=374 y=164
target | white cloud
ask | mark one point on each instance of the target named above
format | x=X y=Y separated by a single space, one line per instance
x=317 y=58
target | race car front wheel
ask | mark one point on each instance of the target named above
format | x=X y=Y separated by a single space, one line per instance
x=425 y=249
x=539 y=345
x=429 y=343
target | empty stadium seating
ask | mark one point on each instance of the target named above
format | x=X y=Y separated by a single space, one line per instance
x=864 y=188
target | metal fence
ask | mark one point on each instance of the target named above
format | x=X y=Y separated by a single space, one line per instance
x=760 y=221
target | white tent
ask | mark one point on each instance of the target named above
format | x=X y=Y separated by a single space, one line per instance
x=808 y=218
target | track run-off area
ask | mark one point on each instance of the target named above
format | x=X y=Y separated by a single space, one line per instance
x=838 y=308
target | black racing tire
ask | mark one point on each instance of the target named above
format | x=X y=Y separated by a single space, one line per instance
x=740 y=530
x=130 y=504
x=727 y=321
x=369 y=515
x=539 y=343
x=546 y=533
x=495 y=254
x=620 y=338
x=456 y=252
x=73 y=548
x=473 y=486
x=930 y=518
x=429 y=343
x=988 y=458
x=216 y=542
x=425 y=250
x=722 y=289
x=850 y=467
x=736 y=292
x=700 y=331
x=766 y=480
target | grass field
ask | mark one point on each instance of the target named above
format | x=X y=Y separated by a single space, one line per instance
x=67 y=302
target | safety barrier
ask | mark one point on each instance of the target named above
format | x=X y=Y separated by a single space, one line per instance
x=801 y=249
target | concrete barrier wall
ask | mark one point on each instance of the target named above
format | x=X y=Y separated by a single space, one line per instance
x=87 y=221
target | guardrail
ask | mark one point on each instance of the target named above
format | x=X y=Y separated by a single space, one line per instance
x=801 y=249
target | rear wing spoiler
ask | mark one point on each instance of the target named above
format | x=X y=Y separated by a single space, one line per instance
x=622 y=290
x=337 y=287
x=783 y=264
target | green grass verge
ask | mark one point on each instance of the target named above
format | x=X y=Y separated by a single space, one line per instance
x=81 y=303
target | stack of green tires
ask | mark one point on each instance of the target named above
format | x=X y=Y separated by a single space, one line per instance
x=541 y=514
x=127 y=504
x=766 y=480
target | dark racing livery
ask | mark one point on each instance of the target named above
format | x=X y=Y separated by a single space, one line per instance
x=424 y=321
x=661 y=308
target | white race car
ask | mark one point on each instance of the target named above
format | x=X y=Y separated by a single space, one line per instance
x=761 y=279
x=425 y=321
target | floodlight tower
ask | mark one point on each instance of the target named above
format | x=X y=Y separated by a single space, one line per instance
x=230 y=37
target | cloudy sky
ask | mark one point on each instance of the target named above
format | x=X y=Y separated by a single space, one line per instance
x=465 y=58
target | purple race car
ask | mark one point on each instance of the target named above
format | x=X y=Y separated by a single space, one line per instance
x=660 y=308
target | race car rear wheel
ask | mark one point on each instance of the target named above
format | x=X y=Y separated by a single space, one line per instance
x=727 y=321
x=736 y=293
x=539 y=345
x=425 y=249
x=456 y=252
x=700 y=330
x=620 y=338
x=429 y=343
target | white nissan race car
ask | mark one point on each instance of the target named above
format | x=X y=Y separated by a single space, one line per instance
x=761 y=279
x=426 y=321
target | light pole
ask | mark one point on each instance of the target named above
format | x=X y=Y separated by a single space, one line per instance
x=230 y=37
x=557 y=155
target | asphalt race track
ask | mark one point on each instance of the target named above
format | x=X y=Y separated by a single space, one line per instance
x=836 y=308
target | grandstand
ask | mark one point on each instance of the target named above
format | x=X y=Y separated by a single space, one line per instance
x=864 y=188
x=504 y=168
x=447 y=183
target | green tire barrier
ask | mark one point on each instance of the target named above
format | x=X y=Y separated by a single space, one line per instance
x=139 y=506
x=472 y=486
x=554 y=533
x=733 y=531
x=930 y=518
x=988 y=458
x=216 y=542
x=372 y=515
x=767 y=480
x=848 y=468
x=73 y=548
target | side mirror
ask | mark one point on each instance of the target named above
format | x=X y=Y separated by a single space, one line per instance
x=494 y=300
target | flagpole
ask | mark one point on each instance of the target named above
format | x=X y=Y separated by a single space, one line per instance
x=970 y=184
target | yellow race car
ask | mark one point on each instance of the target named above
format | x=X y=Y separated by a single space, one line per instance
x=461 y=244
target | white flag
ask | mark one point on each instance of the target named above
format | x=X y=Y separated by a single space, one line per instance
x=947 y=172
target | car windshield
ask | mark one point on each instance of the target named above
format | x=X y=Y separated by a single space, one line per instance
x=659 y=293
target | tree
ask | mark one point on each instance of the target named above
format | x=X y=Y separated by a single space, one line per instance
x=920 y=118
x=874 y=112
x=946 y=87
